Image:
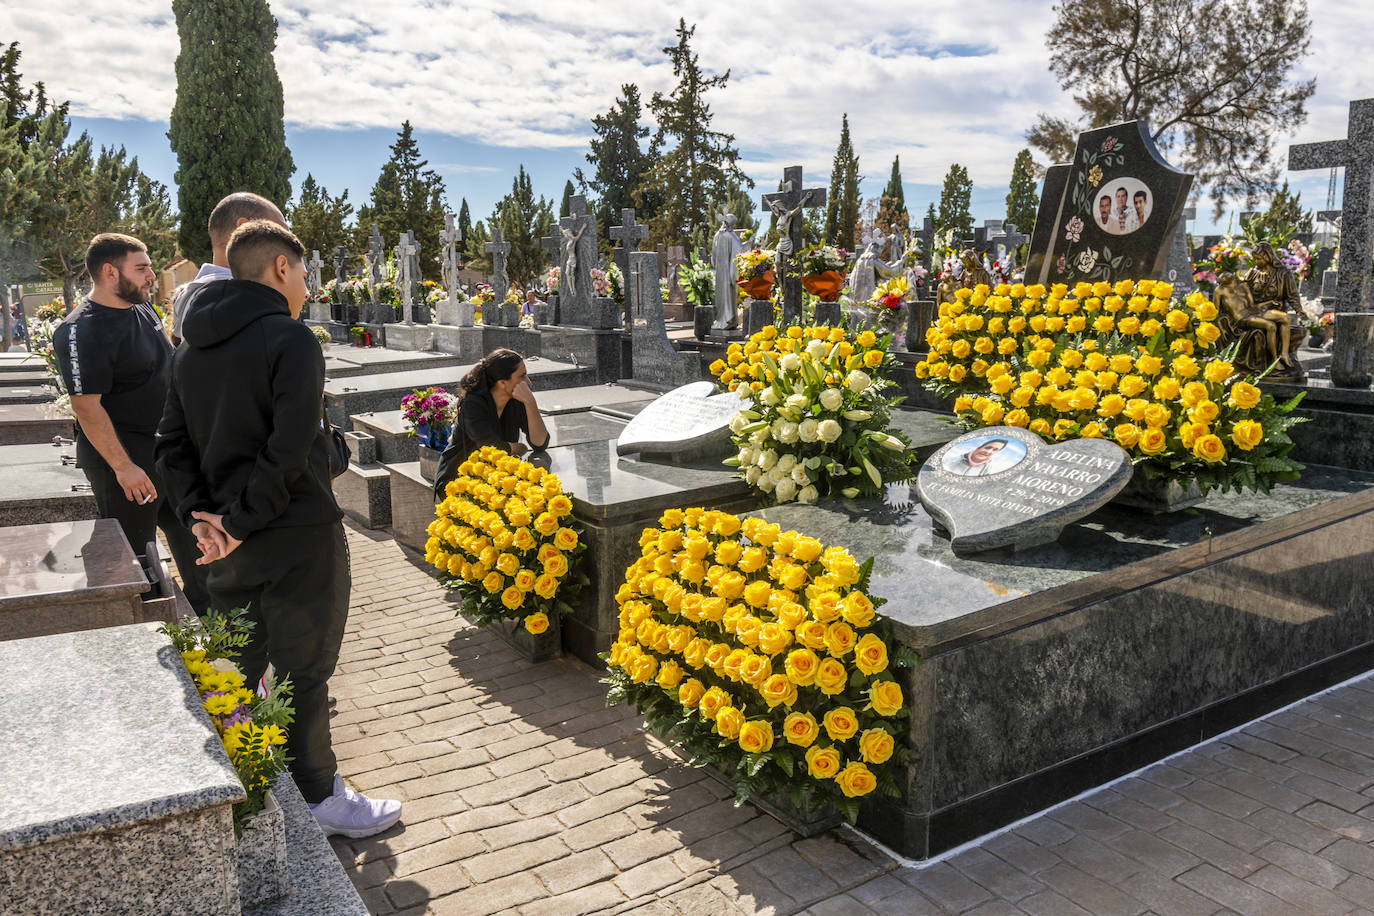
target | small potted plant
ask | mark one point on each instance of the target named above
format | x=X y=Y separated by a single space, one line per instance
x=755 y=274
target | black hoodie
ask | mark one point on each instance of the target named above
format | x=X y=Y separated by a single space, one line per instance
x=243 y=433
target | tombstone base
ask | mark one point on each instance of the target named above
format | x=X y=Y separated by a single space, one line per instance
x=827 y=314
x=758 y=314
x=599 y=314
x=1352 y=356
x=463 y=342
x=410 y=336
x=455 y=314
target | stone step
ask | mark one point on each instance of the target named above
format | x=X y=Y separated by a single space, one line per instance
x=342 y=361
x=382 y=392
x=27 y=394
x=38 y=487
x=24 y=378
x=127 y=791
x=23 y=424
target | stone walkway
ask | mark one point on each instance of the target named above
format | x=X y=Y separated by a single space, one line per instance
x=524 y=794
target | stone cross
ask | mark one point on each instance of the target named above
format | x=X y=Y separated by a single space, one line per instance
x=340 y=264
x=653 y=357
x=787 y=205
x=1012 y=239
x=553 y=244
x=449 y=239
x=498 y=250
x=575 y=284
x=374 y=258
x=927 y=236
x=405 y=280
x=629 y=234
x=312 y=280
x=1356 y=154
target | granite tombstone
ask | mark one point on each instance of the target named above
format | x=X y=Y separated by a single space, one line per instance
x=1117 y=212
x=688 y=422
x=1003 y=486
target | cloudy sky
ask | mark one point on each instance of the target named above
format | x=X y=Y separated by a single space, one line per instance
x=492 y=85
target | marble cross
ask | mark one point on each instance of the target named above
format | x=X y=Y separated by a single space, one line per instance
x=787 y=205
x=374 y=258
x=405 y=280
x=340 y=264
x=1356 y=154
x=449 y=239
x=498 y=250
x=312 y=280
x=629 y=234
x=579 y=252
x=926 y=234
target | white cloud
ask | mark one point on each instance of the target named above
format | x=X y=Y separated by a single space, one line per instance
x=935 y=85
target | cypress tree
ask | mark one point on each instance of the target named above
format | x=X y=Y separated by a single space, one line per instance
x=1023 y=203
x=565 y=208
x=618 y=163
x=465 y=219
x=226 y=126
x=408 y=196
x=842 y=203
x=892 y=215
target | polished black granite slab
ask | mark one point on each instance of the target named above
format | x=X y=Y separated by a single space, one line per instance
x=1051 y=671
x=942 y=611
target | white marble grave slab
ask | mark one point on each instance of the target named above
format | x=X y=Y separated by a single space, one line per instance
x=691 y=421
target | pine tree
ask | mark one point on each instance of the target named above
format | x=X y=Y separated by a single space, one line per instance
x=565 y=208
x=892 y=216
x=702 y=165
x=464 y=219
x=618 y=163
x=1023 y=203
x=475 y=255
x=524 y=221
x=1284 y=217
x=408 y=196
x=226 y=127
x=319 y=220
x=842 y=203
x=954 y=203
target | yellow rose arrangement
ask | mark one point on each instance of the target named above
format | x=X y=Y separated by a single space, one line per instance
x=760 y=652
x=503 y=537
x=815 y=418
x=251 y=727
x=1124 y=361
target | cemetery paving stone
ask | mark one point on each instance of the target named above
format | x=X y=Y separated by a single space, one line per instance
x=523 y=794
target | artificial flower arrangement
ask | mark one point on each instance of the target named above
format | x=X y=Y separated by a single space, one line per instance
x=753 y=264
x=46 y=318
x=483 y=295
x=759 y=652
x=818 y=259
x=434 y=293
x=430 y=413
x=1226 y=256
x=601 y=283
x=552 y=280
x=816 y=420
x=617 y=283
x=321 y=335
x=252 y=726
x=503 y=539
x=324 y=293
x=1123 y=361
x=513 y=296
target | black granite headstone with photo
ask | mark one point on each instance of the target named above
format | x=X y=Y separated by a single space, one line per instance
x=1004 y=486
x=1117 y=215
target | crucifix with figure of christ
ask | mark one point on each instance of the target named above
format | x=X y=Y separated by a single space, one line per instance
x=787 y=205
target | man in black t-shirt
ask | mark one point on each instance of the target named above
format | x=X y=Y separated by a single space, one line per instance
x=115 y=359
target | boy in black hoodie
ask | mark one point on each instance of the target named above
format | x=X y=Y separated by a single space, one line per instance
x=244 y=450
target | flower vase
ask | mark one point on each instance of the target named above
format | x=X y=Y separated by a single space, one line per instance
x=261 y=857
x=543 y=647
x=1159 y=495
x=429 y=462
x=804 y=821
x=759 y=287
x=825 y=286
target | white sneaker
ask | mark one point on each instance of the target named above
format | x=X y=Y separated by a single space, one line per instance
x=353 y=814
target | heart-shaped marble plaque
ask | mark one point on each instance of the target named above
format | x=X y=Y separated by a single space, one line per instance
x=688 y=422
x=1003 y=486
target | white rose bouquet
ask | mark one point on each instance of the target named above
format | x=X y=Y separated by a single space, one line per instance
x=814 y=423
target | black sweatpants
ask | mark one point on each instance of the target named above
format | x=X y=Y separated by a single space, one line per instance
x=140 y=524
x=295 y=583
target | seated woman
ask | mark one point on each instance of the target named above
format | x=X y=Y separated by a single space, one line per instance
x=495 y=406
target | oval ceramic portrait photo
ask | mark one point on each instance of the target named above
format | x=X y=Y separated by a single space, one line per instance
x=984 y=455
x=1122 y=206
